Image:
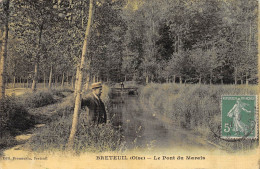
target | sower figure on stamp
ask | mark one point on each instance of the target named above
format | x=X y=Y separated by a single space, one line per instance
x=235 y=113
x=96 y=112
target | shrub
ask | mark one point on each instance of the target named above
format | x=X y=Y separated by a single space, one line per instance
x=38 y=99
x=54 y=136
x=61 y=92
x=15 y=117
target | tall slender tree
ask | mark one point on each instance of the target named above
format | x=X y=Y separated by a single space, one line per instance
x=3 y=53
x=80 y=79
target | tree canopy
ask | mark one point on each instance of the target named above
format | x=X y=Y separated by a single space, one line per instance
x=206 y=41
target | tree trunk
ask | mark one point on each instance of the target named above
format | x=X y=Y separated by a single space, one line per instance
x=94 y=79
x=14 y=81
x=200 y=80
x=174 y=78
x=3 y=54
x=44 y=80
x=82 y=15
x=235 y=75
x=179 y=43
x=180 y=80
x=175 y=45
x=23 y=83
x=35 y=77
x=77 y=79
x=6 y=80
x=246 y=79
x=210 y=80
x=250 y=37
x=62 y=81
x=50 y=77
x=36 y=66
x=87 y=81
x=67 y=78
x=146 y=79
x=56 y=81
x=27 y=82
x=79 y=84
x=72 y=82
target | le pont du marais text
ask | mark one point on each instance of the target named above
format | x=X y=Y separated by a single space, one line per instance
x=162 y=157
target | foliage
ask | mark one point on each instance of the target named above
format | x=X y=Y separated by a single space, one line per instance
x=206 y=41
x=61 y=92
x=38 y=99
x=195 y=107
x=14 y=117
x=54 y=136
x=196 y=41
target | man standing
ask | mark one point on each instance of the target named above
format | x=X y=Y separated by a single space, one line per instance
x=122 y=85
x=96 y=108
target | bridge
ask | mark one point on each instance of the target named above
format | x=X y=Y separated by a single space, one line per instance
x=127 y=91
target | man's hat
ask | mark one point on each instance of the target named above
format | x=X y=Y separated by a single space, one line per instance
x=96 y=85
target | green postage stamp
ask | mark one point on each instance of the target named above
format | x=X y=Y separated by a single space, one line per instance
x=239 y=115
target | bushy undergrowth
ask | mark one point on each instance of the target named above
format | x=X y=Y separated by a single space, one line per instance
x=54 y=137
x=89 y=138
x=61 y=92
x=42 y=97
x=37 y=99
x=14 y=116
x=194 y=107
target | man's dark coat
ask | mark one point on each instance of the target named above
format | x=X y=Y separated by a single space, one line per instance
x=96 y=109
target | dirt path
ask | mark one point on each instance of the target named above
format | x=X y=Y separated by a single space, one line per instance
x=42 y=116
x=17 y=91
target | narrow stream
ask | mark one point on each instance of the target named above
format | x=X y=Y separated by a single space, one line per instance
x=142 y=129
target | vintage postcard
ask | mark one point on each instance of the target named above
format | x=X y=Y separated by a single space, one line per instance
x=125 y=84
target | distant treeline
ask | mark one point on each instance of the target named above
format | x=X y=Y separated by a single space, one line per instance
x=198 y=41
x=208 y=41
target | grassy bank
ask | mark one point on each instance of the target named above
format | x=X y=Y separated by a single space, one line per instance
x=16 y=116
x=54 y=135
x=195 y=107
x=14 y=110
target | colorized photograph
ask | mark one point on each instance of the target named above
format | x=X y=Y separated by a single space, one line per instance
x=125 y=84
